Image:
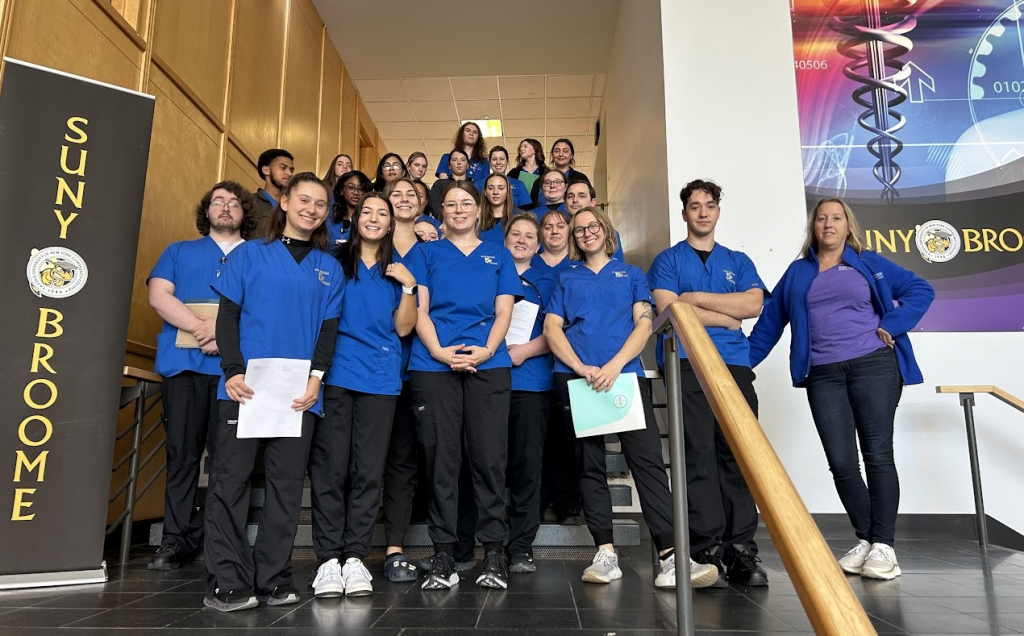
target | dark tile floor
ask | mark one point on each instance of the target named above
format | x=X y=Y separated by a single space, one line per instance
x=948 y=587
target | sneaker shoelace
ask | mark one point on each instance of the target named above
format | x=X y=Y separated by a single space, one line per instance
x=493 y=562
x=745 y=561
x=440 y=567
x=605 y=558
x=857 y=550
x=358 y=570
x=329 y=570
x=879 y=554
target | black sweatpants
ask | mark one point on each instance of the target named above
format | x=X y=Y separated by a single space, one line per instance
x=190 y=417
x=230 y=563
x=560 y=487
x=346 y=461
x=722 y=510
x=450 y=407
x=401 y=470
x=642 y=450
x=527 y=428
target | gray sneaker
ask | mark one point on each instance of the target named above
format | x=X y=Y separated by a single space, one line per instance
x=604 y=568
x=881 y=563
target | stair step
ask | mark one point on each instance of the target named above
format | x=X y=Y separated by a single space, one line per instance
x=615 y=464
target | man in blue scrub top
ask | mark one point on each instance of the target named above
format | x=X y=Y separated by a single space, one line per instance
x=580 y=194
x=724 y=289
x=182 y=277
x=275 y=167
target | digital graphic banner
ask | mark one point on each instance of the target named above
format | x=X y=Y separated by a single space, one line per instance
x=72 y=170
x=912 y=111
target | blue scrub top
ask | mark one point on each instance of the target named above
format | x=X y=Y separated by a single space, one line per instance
x=368 y=352
x=535 y=373
x=284 y=303
x=192 y=266
x=598 y=311
x=462 y=294
x=679 y=269
x=338 y=233
x=543 y=268
x=520 y=195
x=494 y=235
x=478 y=168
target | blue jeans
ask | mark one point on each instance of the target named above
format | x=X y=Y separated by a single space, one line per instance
x=856 y=400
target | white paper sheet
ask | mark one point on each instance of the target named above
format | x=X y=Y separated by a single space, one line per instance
x=275 y=384
x=524 y=316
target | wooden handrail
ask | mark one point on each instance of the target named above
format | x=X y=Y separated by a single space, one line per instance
x=140 y=374
x=994 y=391
x=826 y=596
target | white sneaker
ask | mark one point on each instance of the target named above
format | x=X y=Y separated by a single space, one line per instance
x=328 y=582
x=357 y=578
x=881 y=563
x=701 y=574
x=853 y=561
x=604 y=568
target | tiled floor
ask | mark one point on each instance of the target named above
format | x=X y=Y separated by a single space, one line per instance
x=946 y=588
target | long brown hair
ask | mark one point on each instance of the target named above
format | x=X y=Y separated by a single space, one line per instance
x=853 y=236
x=479 y=148
x=488 y=219
x=352 y=252
x=330 y=178
x=275 y=222
x=538 y=151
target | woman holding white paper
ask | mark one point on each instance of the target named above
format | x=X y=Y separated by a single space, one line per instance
x=598 y=321
x=280 y=297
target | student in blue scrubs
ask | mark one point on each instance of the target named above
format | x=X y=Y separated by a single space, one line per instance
x=341 y=164
x=579 y=193
x=496 y=209
x=280 y=297
x=389 y=168
x=275 y=167
x=351 y=441
x=461 y=380
x=563 y=159
x=183 y=274
x=529 y=163
x=552 y=188
x=426 y=230
x=458 y=164
x=532 y=398
x=598 y=321
x=416 y=165
x=499 y=164
x=470 y=140
x=423 y=212
x=347 y=191
x=554 y=242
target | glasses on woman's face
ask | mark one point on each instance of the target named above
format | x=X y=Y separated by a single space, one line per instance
x=593 y=228
x=552 y=183
x=221 y=203
x=353 y=188
x=465 y=204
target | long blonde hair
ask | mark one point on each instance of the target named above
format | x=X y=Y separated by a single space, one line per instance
x=853 y=236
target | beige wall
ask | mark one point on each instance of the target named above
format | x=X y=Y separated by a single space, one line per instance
x=231 y=78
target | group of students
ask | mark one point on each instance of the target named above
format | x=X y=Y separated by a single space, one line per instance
x=406 y=332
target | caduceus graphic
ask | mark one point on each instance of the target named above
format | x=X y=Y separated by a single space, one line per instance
x=875 y=39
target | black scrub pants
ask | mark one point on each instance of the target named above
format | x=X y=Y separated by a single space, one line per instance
x=527 y=428
x=190 y=418
x=454 y=408
x=230 y=563
x=721 y=508
x=560 y=487
x=401 y=470
x=346 y=462
x=642 y=450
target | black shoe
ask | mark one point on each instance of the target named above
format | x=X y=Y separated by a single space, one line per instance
x=231 y=601
x=461 y=565
x=442 y=573
x=742 y=567
x=522 y=563
x=710 y=555
x=494 y=574
x=170 y=556
x=282 y=595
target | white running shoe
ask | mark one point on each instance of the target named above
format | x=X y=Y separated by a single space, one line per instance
x=604 y=568
x=853 y=561
x=881 y=563
x=701 y=574
x=328 y=582
x=357 y=578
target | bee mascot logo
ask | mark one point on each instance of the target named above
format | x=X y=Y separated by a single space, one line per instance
x=56 y=272
x=937 y=241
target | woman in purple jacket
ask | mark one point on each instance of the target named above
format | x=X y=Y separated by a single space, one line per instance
x=850 y=311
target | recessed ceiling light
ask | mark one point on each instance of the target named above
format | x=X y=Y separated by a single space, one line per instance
x=489 y=127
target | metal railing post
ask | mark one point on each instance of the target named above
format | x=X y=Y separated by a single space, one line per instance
x=680 y=509
x=967 y=400
x=133 y=473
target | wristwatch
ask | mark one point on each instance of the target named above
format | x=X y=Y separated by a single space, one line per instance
x=410 y=291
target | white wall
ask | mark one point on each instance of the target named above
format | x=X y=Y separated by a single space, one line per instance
x=732 y=117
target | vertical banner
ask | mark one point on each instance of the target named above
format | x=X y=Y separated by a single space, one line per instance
x=913 y=112
x=72 y=170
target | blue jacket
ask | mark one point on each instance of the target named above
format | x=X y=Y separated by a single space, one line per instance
x=899 y=296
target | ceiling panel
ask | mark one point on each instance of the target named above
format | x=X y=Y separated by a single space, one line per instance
x=480 y=109
x=405 y=147
x=570 y=85
x=381 y=90
x=475 y=87
x=522 y=108
x=439 y=129
x=520 y=128
x=427 y=89
x=521 y=86
x=563 y=107
x=398 y=130
x=434 y=111
x=436 y=147
x=595 y=107
x=389 y=111
x=571 y=128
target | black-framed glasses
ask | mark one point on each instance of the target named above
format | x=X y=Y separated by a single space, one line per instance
x=593 y=228
x=354 y=188
x=552 y=184
x=221 y=203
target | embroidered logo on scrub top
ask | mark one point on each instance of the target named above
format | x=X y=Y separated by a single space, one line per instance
x=488 y=259
x=321 y=276
x=729 y=276
x=621 y=274
x=844 y=268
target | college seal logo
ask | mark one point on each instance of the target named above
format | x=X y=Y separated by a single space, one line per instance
x=56 y=272
x=937 y=241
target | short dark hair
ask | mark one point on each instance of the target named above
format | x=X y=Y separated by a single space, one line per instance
x=498 y=149
x=274 y=224
x=701 y=185
x=578 y=178
x=378 y=179
x=267 y=157
x=244 y=199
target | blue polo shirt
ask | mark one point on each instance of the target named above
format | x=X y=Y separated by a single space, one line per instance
x=192 y=266
x=679 y=269
x=598 y=311
x=534 y=374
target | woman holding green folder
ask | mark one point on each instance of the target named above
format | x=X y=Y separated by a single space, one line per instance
x=598 y=321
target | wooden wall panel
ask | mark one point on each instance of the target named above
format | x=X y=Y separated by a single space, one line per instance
x=256 y=66
x=60 y=35
x=183 y=163
x=349 y=142
x=301 y=118
x=330 y=107
x=237 y=167
x=190 y=37
x=366 y=122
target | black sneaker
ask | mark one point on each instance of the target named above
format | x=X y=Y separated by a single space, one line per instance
x=522 y=563
x=170 y=556
x=462 y=565
x=282 y=595
x=442 y=573
x=231 y=601
x=494 y=574
x=710 y=556
x=743 y=569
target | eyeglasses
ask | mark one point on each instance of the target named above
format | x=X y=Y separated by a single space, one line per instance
x=233 y=204
x=465 y=204
x=552 y=184
x=392 y=166
x=354 y=188
x=593 y=228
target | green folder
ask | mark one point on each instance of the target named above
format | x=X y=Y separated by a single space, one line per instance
x=607 y=412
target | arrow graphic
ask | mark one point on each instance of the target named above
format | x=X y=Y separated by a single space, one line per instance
x=916 y=82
